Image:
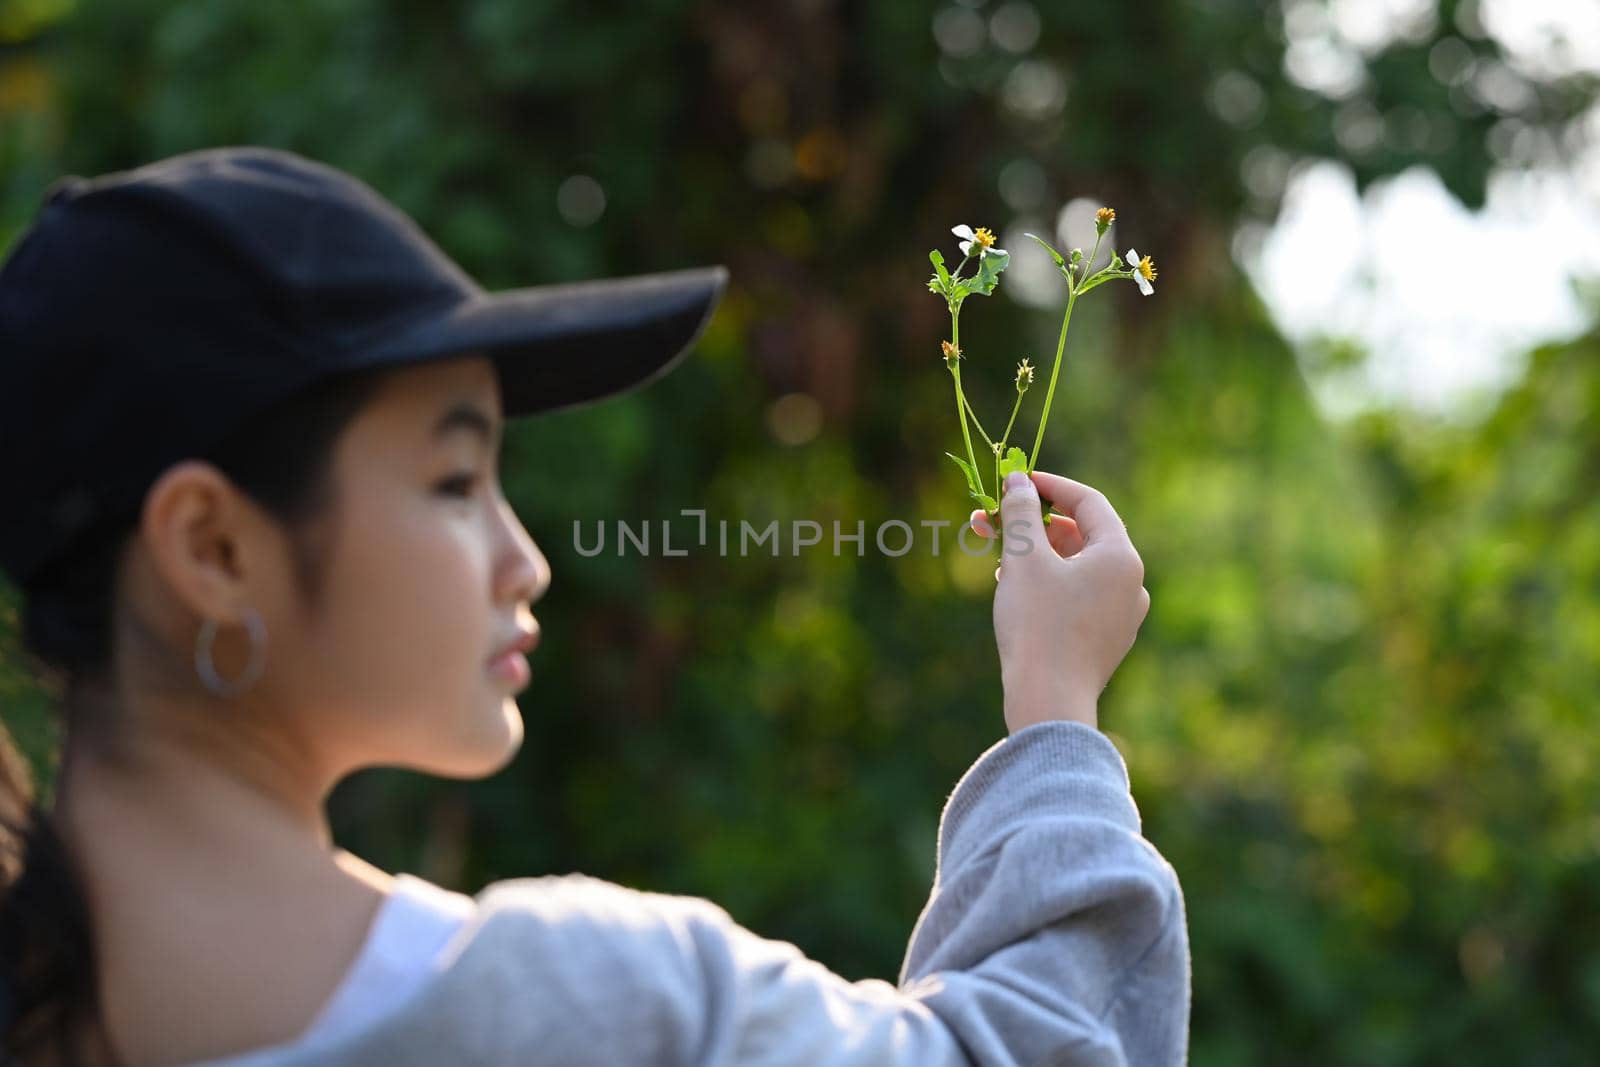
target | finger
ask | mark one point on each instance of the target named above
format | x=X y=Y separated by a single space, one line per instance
x=1021 y=524
x=1063 y=532
x=1097 y=521
x=1065 y=537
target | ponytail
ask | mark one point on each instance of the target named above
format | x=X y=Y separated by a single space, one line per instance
x=50 y=1010
x=48 y=995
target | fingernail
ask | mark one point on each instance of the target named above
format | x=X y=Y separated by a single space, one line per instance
x=1017 y=480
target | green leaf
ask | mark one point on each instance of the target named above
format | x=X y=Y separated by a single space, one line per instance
x=1014 y=460
x=967 y=469
x=940 y=282
x=1104 y=276
x=983 y=498
x=1061 y=264
x=1053 y=253
x=988 y=276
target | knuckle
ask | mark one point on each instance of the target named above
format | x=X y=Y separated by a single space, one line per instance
x=1134 y=564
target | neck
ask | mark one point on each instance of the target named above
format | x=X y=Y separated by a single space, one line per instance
x=183 y=793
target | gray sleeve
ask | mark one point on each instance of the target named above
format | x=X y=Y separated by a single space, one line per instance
x=1054 y=932
x=1054 y=935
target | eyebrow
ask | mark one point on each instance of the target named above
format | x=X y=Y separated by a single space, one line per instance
x=466 y=416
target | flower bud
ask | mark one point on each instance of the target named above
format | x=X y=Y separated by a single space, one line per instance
x=1103 y=220
x=951 y=354
x=1024 y=377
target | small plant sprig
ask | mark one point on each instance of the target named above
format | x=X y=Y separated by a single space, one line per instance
x=985 y=278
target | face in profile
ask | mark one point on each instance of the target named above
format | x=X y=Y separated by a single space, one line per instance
x=429 y=575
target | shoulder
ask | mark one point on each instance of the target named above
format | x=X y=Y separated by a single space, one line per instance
x=582 y=970
x=583 y=900
x=664 y=954
x=576 y=956
x=593 y=930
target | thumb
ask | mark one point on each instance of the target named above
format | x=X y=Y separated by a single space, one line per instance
x=1022 y=523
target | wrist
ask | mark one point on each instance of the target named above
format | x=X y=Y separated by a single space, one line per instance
x=1025 y=706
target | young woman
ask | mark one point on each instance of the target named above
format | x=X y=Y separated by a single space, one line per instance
x=249 y=418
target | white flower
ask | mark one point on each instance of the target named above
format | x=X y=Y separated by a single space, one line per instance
x=980 y=237
x=1144 y=271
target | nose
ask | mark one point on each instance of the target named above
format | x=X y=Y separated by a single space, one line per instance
x=524 y=573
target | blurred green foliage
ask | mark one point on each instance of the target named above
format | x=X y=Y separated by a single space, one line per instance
x=1358 y=716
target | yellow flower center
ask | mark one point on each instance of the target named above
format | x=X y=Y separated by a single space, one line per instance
x=1105 y=214
x=983 y=237
x=1147 y=268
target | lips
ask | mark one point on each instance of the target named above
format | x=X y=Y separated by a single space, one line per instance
x=522 y=643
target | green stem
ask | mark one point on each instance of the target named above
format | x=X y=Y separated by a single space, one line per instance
x=961 y=400
x=1004 y=438
x=965 y=408
x=1090 y=261
x=981 y=433
x=955 y=339
x=1061 y=346
x=1055 y=370
x=1007 y=435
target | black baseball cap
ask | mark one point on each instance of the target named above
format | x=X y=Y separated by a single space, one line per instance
x=147 y=312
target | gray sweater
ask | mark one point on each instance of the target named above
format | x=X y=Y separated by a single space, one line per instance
x=1054 y=934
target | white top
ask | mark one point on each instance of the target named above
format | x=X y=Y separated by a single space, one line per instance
x=403 y=950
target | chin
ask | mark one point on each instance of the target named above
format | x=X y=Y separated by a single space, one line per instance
x=479 y=747
x=496 y=746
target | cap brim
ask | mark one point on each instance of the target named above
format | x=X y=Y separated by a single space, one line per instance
x=562 y=346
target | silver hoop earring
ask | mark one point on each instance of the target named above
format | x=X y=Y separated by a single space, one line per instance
x=252 y=671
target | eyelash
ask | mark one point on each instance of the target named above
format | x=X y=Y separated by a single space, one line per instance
x=461 y=485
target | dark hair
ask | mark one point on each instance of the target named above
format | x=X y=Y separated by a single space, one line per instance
x=281 y=459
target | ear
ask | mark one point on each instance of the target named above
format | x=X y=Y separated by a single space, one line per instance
x=203 y=537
